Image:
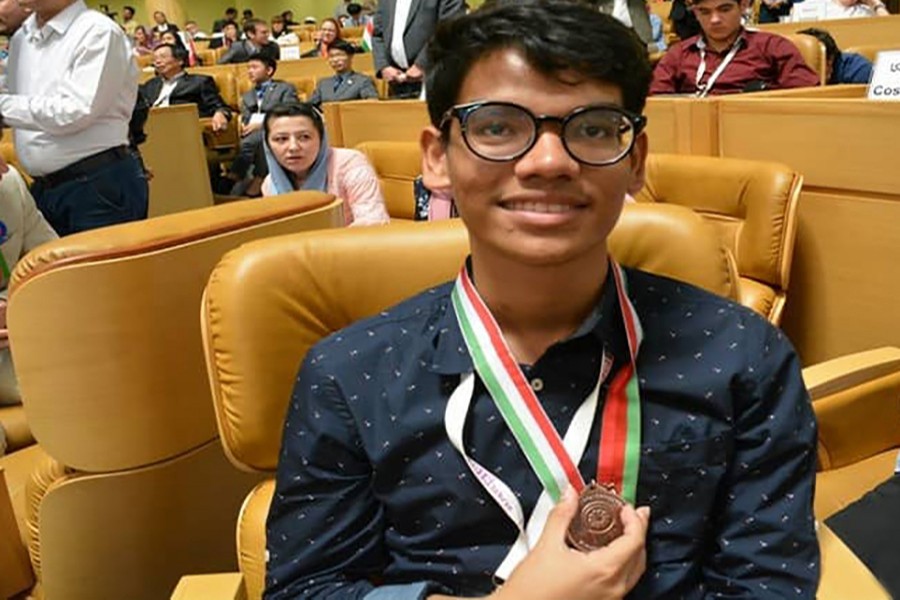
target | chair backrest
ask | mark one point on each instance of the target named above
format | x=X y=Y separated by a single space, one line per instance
x=397 y=164
x=754 y=207
x=106 y=339
x=812 y=51
x=386 y=120
x=268 y=302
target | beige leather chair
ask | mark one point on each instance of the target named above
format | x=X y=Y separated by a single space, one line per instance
x=134 y=489
x=307 y=286
x=397 y=164
x=754 y=206
x=813 y=53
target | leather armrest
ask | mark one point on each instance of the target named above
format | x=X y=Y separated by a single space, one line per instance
x=217 y=586
x=857 y=403
x=229 y=138
x=14 y=563
x=843 y=574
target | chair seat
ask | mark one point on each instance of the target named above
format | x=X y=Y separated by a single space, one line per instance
x=838 y=488
x=18 y=433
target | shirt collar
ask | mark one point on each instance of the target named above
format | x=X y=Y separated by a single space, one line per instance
x=699 y=41
x=59 y=24
x=451 y=357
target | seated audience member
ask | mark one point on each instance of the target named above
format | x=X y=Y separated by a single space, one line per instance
x=726 y=58
x=172 y=85
x=142 y=45
x=193 y=30
x=256 y=34
x=299 y=158
x=162 y=25
x=346 y=84
x=771 y=11
x=684 y=23
x=22 y=228
x=328 y=33
x=288 y=17
x=354 y=17
x=255 y=103
x=404 y=471
x=231 y=15
x=281 y=34
x=657 y=34
x=841 y=67
x=846 y=9
x=246 y=15
x=175 y=39
x=340 y=9
x=229 y=36
x=129 y=23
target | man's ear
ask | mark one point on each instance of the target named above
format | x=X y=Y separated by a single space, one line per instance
x=638 y=159
x=435 y=174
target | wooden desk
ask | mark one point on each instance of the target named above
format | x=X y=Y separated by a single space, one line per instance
x=848 y=32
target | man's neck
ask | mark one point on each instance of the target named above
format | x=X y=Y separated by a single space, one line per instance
x=537 y=306
x=44 y=15
x=342 y=73
x=723 y=45
x=171 y=76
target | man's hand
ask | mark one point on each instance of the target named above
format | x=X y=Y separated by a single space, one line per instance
x=219 y=122
x=391 y=74
x=414 y=73
x=250 y=128
x=554 y=570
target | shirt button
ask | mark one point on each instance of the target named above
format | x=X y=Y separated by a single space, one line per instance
x=537 y=384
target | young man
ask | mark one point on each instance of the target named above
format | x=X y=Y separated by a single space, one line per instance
x=129 y=24
x=265 y=93
x=841 y=67
x=346 y=84
x=256 y=34
x=726 y=58
x=399 y=476
x=231 y=15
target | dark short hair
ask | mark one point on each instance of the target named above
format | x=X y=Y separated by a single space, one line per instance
x=342 y=45
x=248 y=12
x=554 y=36
x=229 y=23
x=265 y=59
x=832 y=51
x=295 y=109
x=179 y=53
x=354 y=9
x=131 y=8
x=231 y=10
x=250 y=25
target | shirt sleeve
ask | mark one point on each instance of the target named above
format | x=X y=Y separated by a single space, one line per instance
x=87 y=89
x=211 y=100
x=359 y=187
x=765 y=543
x=324 y=531
x=665 y=73
x=793 y=72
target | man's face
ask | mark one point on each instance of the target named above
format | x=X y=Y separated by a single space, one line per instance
x=339 y=60
x=127 y=14
x=257 y=71
x=165 y=64
x=545 y=207
x=191 y=27
x=260 y=35
x=11 y=16
x=230 y=31
x=719 y=19
x=159 y=18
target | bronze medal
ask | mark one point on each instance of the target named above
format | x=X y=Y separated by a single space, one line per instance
x=597 y=522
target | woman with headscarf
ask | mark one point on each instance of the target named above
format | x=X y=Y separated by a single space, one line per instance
x=299 y=157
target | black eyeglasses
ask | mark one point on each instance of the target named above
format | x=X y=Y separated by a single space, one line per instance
x=595 y=135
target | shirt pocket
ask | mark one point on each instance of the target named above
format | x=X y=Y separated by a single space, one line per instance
x=680 y=481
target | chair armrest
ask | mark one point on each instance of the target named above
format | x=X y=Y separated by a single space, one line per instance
x=843 y=574
x=14 y=563
x=856 y=399
x=217 y=586
x=229 y=138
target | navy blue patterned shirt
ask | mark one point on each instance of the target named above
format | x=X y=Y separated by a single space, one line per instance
x=372 y=501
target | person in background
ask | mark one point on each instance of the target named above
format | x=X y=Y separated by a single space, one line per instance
x=129 y=24
x=162 y=25
x=143 y=44
x=329 y=32
x=192 y=29
x=229 y=36
x=726 y=58
x=841 y=67
x=684 y=23
x=657 y=34
x=265 y=94
x=22 y=229
x=175 y=39
x=246 y=16
x=771 y=11
x=280 y=32
x=288 y=17
x=632 y=13
x=399 y=38
x=354 y=17
x=299 y=158
x=72 y=86
x=847 y=9
x=340 y=9
x=346 y=83
x=12 y=15
x=256 y=33
x=231 y=15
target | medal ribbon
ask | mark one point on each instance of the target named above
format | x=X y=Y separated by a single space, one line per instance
x=537 y=437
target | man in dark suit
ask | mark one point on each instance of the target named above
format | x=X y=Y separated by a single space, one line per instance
x=265 y=93
x=230 y=16
x=346 y=84
x=172 y=85
x=256 y=32
x=401 y=31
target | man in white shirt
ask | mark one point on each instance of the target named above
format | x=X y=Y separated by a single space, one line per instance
x=402 y=29
x=72 y=87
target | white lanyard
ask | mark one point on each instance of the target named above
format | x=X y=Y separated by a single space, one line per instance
x=575 y=441
x=703 y=90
